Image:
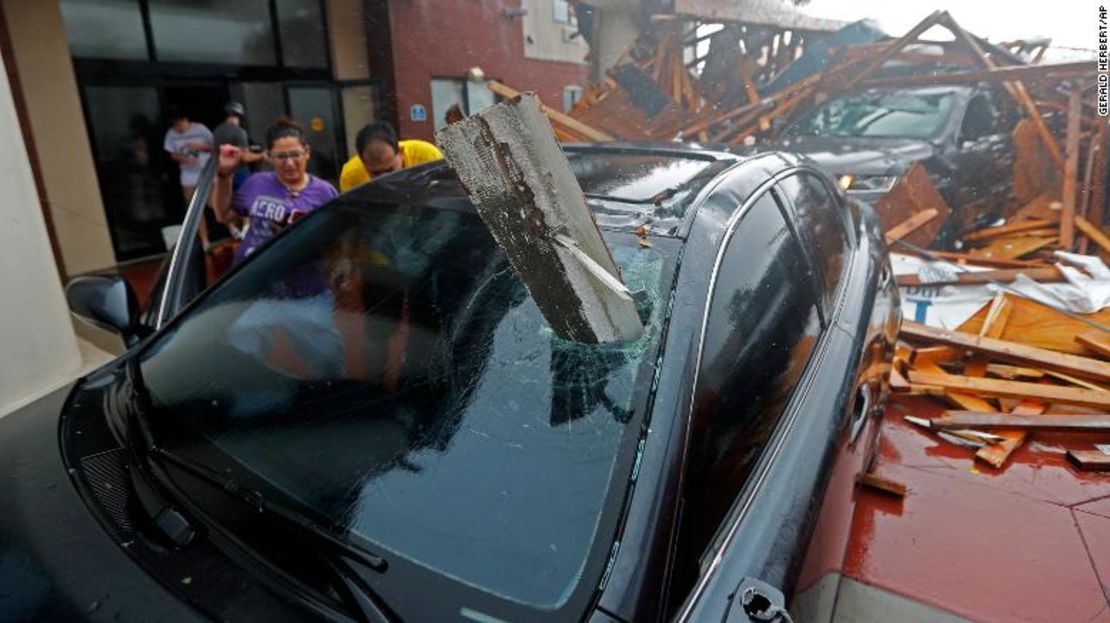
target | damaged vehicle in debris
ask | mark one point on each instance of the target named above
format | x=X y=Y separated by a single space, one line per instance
x=371 y=420
x=960 y=134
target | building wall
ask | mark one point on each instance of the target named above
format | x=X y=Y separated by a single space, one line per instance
x=437 y=39
x=57 y=122
x=347 y=33
x=546 y=39
x=36 y=338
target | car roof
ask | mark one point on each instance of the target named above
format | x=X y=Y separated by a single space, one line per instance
x=622 y=183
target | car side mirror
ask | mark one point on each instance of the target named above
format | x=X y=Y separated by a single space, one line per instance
x=108 y=302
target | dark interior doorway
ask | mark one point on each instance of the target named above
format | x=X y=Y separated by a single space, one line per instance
x=203 y=103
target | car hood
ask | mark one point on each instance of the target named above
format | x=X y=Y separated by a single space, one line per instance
x=860 y=156
x=58 y=561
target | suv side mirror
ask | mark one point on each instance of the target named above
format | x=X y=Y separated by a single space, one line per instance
x=106 y=301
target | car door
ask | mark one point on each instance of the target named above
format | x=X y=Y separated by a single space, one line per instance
x=183 y=273
x=762 y=326
x=824 y=434
x=984 y=154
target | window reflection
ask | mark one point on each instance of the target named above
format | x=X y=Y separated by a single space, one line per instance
x=385 y=366
x=109 y=29
x=303 y=41
x=227 y=32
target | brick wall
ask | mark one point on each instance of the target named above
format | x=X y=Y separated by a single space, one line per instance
x=444 y=38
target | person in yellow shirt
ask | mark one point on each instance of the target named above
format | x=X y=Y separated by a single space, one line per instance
x=379 y=152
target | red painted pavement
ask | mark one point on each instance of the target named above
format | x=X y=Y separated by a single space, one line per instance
x=1028 y=542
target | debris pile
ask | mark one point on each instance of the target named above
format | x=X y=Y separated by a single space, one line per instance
x=743 y=84
x=1015 y=368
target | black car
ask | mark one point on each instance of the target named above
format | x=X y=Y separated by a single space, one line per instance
x=960 y=134
x=370 y=419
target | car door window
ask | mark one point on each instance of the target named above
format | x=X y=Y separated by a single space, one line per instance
x=822 y=224
x=978 y=119
x=761 y=329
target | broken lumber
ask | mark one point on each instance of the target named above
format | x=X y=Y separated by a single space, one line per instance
x=995 y=455
x=1071 y=171
x=1093 y=233
x=964 y=258
x=1021 y=354
x=907 y=226
x=570 y=122
x=1060 y=71
x=1090 y=460
x=1095 y=342
x=1044 y=274
x=1012 y=248
x=1010 y=228
x=1015 y=389
x=510 y=164
x=1035 y=324
x=968 y=401
x=912 y=195
x=881 y=484
x=1094 y=422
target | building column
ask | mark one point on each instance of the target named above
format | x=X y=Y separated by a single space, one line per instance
x=36 y=336
x=48 y=88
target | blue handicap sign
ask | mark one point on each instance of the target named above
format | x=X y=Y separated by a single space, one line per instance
x=417 y=112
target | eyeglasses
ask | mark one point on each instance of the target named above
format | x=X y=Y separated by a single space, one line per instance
x=287 y=155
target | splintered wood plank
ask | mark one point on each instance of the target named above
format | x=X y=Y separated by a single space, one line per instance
x=967 y=400
x=996 y=454
x=910 y=225
x=965 y=258
x=1090 y=423
x=522 y=185
x=933 y=354
x=1071 y=171
x=1020 y=354
x=1034 y=171
x=1093 y=233
x=1010 y=228
x=1043 y=206
x=1015 y=389
x=913 y=194
x=997 y=316
x=898 y=382
x=1089 y=460
x=879 y=483
x=1067 y=378
x=1095 y=342
x=1012 y=248
x=1045 y=274
x=1014 y=373
x=570 y=122
x=1034 y=324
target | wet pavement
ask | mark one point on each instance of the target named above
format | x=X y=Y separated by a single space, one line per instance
x=1028 y=542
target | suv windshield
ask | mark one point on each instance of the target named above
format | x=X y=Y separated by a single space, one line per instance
x=917 y=114
x=384 y=366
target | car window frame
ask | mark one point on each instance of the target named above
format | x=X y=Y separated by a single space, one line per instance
x=791 y=412
x=830 y=297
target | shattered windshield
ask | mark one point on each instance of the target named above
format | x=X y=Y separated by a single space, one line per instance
x=880 y=114
x=384 y=366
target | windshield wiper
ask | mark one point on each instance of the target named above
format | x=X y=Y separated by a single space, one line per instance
x=258 y=502
x=655 y=199
x=369 y=604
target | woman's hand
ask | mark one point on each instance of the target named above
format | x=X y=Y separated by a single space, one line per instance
x=230 y=159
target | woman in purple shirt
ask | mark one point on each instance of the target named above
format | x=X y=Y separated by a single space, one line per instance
x=271 y=200
x=301 y=305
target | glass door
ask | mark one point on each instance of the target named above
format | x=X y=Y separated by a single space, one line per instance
x=315 y=108
x=136 y=178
